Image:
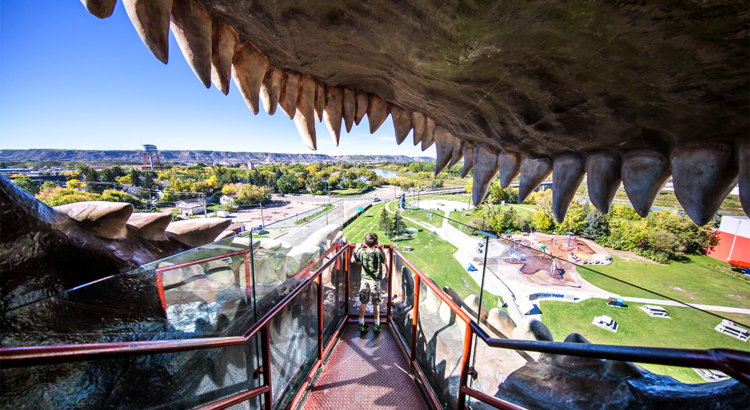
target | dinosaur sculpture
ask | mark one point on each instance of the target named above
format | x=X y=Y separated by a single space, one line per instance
x=621 y=92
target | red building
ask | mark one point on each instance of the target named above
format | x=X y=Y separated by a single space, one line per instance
x=734 y=235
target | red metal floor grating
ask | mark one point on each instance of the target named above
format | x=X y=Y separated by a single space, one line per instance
x=365 y=372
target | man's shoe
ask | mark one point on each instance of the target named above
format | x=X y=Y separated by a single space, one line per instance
x=363 y=328
x=376 y=328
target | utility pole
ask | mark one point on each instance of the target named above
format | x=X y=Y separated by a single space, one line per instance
x=205 y=211
x=262 y=219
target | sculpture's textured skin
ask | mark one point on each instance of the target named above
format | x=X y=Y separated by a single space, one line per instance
x=531 y=80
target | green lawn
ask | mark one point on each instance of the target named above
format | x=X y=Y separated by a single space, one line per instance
x=689 y=328
x=309 y=217
x=432 y=255
x=350 y=191
x=700 y=279
x=424 y=216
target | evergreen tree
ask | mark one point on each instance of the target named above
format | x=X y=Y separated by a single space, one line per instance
x=135 y=177
x=384 y=221
x=595 y=225
x=396 y=226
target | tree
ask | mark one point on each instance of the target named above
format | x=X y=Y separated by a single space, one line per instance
x=541 y=221
x=314 y=184
x=575 y=219
x=287 y=183
x=74 y=183
x=135 y=177
x=595 y=225
x=395 y=226
x=49 y=185
x=112 y=195
x=384 y=221
x=252 y=194
x=125 y=180
x=27 y=185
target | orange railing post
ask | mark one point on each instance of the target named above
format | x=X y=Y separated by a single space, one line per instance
x=415 y=320
x=464 y=368
x=266 y=349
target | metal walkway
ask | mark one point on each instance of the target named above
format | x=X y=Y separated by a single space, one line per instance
x=365 y=372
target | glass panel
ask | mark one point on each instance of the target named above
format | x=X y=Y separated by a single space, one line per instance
x=178 y=380
x=403 y=299
x=293 y=342
x=334 y=297
x=440 y=341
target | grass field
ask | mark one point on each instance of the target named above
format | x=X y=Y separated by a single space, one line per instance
x=350 y=191
x=699 y=279
x=432 y=255
x=689 y=329
x=435 y=221
x=309 y=217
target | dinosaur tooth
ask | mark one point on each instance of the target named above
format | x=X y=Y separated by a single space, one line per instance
x=743 y=148
x=401 y=123
x=100 y=8
x=249 y=67
x=197 y=232
x=224 y=41
x=429 y=133
x=151 y=20
x=458 y=152
x=349 y=107
x=603 y=178
x=419 y=123
x=305 y=117
x=468 y=159
x=363 y=101
x=567 y=176
x=509 y=167
x=288 y=94
x=533 y=173
x=105 y=219
x=703 y=175
x=485 y=169
x=377 y=112
x=270 y=89
x=644 y=174
x=148 y=225
x=444 y=147
x=320 y=100
x=191 y=25
x=333 y=112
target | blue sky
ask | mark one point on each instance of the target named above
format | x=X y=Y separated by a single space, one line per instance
x=71 y=80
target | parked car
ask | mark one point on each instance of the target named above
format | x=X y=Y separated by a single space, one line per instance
x=375 y=199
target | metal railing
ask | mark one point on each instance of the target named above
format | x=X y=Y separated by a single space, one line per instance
x=732 y=362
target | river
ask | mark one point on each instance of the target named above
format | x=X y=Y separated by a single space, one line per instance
x=385 y=173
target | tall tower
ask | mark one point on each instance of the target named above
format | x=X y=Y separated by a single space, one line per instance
x=151 y=151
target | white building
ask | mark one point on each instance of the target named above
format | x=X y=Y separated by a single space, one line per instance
x=655 y=311
x=606 y=322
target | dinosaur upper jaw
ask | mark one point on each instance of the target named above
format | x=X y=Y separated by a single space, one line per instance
x=618 y=92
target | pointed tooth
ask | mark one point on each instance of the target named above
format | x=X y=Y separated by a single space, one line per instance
x=363 y=101
x=191 y=25
x=429 y=133
x=305 y=117
x=703 y=175
x=419 y=122
x=224 y=41
x=401 y=123
x=458 y=152
x=148 y=225
x=197 y=232
x=249 y=67
x=271 y=88
x=603 y=177
x=288 y=94
x=485 y=169
x=510 y=167
x=100 y=8
x=320 y=100
x=644 y=174
x=151 y=20
x=533 y=173
x=105 y=219
x=349 y=108
x=333 y=112
x=743 y=146
x=567 y=176
x=444 y=143
x=468 y=159
x=377 y=112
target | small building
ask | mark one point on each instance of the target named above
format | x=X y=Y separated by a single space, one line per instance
x=730 y=329
x=190 y=207
x=228 y=199
x=605 y=322
x=615 y=302
x=655 y=311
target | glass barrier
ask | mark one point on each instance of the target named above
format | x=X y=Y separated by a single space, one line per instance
x=177 y=381
x=403 y=299
x=334 y=297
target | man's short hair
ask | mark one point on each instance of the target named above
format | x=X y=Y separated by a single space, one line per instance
x=371 y=239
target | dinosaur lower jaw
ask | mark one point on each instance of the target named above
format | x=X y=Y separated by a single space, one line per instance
x=704 y=172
